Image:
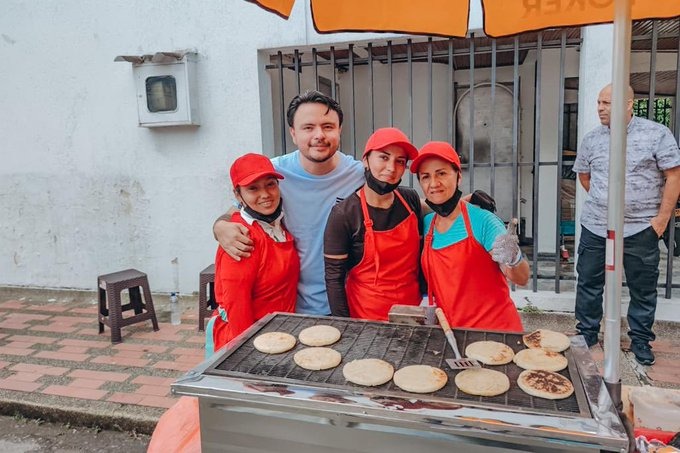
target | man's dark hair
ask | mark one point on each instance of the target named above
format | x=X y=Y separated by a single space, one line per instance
x=315 y=97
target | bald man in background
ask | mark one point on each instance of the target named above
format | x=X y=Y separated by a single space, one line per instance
x=652 y=188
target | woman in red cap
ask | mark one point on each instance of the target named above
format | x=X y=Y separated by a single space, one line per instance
x=266 y=281
x=372 y=238
x=467 y=252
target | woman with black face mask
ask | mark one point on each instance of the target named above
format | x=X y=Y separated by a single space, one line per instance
x=267 y=280
x=372 y=238
x=467 y=252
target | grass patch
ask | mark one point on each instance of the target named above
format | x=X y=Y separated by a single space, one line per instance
x=530 y=308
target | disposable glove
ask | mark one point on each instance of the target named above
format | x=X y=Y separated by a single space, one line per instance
x=506 y=246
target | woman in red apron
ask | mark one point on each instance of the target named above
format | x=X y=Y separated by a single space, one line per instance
x=266 y=281
x=467 y=253
x=372 y=238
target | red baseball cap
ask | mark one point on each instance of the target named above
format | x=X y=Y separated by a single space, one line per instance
x=251 y=167
x=386 y=136
x=443 y=150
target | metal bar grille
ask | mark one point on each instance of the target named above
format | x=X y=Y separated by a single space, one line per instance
x=400 y=345
x=405 y=82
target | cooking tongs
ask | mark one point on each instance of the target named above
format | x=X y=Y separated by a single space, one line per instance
x=458 y=363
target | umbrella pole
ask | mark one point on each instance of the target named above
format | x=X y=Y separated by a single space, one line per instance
x=615 y=211
x=616 y=197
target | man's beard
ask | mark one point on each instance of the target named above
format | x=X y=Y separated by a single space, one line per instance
x=319 y=160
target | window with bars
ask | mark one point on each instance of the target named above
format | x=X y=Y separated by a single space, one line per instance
x=663 y=110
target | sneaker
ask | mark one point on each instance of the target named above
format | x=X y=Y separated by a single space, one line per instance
x=643 y=353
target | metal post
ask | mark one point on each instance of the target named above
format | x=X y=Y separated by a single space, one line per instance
x=409 y=60
x=450 y=86
x=471 y=137
x=297 y=69
x=615 y=205
x=492 y=129
x=515 y=130
x=515 y=136
x=282 y=101
x=334 y=95
x=560 y=137
x=389 y=66
x=430 y=90
x=370 y=85
x=652 y=71
x=316 y=70
x=537 y=159
x=352 y=130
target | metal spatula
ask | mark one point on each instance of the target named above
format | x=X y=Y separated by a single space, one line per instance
x=458 y=363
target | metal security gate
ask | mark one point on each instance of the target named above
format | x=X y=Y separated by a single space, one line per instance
x=507 y=105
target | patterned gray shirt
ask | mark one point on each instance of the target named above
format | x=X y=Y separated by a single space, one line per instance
x=651 y=149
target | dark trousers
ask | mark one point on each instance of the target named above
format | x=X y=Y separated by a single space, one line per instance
x=641 y=266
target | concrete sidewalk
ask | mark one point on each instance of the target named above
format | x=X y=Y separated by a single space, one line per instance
x=55 y=366
x=549 y=301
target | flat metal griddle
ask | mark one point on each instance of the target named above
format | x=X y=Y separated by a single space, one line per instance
x=398 y=344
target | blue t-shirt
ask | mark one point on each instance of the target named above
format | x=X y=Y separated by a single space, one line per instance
x=486 y=226
x=307 y=202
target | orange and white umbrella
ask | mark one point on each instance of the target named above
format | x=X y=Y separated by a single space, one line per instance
x=450 y=17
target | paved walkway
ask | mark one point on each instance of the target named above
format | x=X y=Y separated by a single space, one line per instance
x=54 y=365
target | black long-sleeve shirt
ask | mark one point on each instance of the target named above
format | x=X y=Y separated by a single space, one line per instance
x=344 y=235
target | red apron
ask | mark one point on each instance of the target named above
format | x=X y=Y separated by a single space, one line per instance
x=274 y=288
x=467 y=284
x=388 y=271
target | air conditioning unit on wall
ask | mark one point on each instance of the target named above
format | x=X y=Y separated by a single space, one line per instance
x=166 y=88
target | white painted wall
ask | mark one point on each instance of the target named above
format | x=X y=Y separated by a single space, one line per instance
x=84 y=190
